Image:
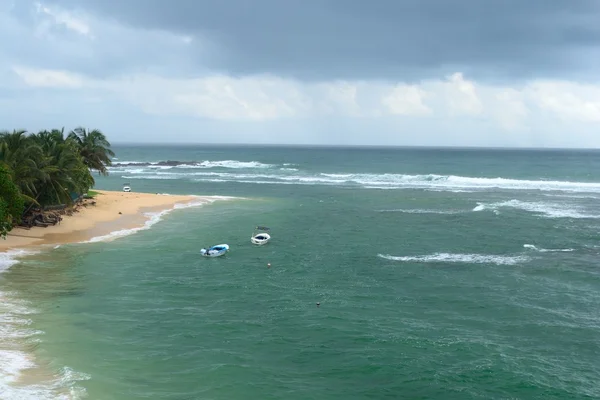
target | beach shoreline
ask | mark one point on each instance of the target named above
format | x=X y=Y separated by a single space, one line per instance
x=108 y=212
x=109 y=215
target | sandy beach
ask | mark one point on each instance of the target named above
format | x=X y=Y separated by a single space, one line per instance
x=112 y=211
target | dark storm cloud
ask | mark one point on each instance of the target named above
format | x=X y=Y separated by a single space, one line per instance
x=360 y=39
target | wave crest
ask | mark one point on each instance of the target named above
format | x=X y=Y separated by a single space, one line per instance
x=168 y=164
x=532 y=247
x=549 y=210
x=287 y=175
x=459 y=258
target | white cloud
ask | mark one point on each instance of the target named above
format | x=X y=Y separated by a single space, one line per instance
x=406 y=100
x=155 y=83
x=568 y=100
x=509 y=109
x=216 y=97
x=69 y=20
x=49 y=78
x=461 y=95
x=339 y=98
x=268 y=98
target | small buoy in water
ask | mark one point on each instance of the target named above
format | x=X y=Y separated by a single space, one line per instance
x=268 y=265
x=318 y=304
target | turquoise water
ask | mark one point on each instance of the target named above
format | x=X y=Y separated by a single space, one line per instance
x=441 y=274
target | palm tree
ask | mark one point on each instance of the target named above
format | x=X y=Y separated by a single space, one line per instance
x=11 y=203
x=59 y=166
x=94 y=148
x=47 y=138
x=49 y=167
x=63 y=168
x=21 y=156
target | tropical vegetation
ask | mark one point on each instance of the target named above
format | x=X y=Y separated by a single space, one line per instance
x=47 y=168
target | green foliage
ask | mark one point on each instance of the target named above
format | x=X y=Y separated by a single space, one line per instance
x=48 y=167
x=94 y=148
x=5 y=224
x=11 y=202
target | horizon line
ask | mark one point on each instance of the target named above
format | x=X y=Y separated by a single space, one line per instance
x=356 y=146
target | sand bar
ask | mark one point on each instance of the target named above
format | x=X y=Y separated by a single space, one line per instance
x=112 y=211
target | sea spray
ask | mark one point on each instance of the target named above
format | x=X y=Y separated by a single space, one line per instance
x=548 y=210
x=459 y=258
x=453 y=183
x=541 y=250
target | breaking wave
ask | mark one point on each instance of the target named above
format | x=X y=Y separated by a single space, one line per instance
x=15 y=332
x=420 y=211
x=532 y=247
x=11 y=257
x=287 y=175
x=192 y=164
x=549 y=210
x=459 y=258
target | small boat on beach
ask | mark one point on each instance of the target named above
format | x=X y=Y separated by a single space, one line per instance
x=215 y=251
x=126 y=187
x=260 y=235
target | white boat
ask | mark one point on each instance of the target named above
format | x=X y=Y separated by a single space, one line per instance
x=126 y=188
x=215 y=251
x=260 y=236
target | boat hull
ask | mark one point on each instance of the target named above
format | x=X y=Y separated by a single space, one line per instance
x=215 y=251
x=260 y=239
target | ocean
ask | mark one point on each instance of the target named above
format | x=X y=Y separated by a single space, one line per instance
x=440 y=274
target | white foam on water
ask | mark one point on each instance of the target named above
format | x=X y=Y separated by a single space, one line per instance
x=422 y=211
x=163 y=177
x=232 y=164
x=572 y=196
x=459 y=258
x=463 y=182
x=204 y=201
x=433 y=182
x=131 y=171
x=449 y=190
x=127 y=162
x=548 y=210
x=15 y=333
x=11 y=257
x=63 y=386
x=155 y=217
x=533 y=247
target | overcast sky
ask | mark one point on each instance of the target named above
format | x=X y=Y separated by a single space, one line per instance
x=399 y=72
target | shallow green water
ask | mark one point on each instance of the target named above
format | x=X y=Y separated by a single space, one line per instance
x=440 y=274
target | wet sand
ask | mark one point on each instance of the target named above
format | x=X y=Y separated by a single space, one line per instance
x=112 y=211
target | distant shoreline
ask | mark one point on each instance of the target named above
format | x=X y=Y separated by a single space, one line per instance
x=108 y=212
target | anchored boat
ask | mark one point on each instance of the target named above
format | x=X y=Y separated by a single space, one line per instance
x=260 y=235
x=215 y=251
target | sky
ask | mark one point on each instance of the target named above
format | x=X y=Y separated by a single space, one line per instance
x=494 y=73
